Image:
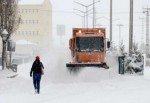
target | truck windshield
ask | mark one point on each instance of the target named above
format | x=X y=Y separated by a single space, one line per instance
x=90 y=44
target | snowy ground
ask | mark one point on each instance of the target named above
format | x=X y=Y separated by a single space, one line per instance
x=90 y=85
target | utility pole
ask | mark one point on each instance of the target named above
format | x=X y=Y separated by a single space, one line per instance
x=131 y=28
x=111 y=21
x=142 y=34
x=146 y=10
x=120 y=25
x=93 y=13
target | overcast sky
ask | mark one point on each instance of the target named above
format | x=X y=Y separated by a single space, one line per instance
x=63 y=13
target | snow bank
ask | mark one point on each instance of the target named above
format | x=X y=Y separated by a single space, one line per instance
x=147 y=73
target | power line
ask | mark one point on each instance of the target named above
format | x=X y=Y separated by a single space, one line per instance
x=67 y=11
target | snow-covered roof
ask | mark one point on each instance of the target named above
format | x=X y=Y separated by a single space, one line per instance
x=30 y=2
x=24 y=42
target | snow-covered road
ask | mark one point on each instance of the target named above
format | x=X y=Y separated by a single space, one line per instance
x=90 y=85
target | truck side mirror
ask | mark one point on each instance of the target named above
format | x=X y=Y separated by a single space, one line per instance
x=108 y=44
x=70 y=44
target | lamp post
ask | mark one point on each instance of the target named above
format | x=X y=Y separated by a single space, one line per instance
x=11 y=48
x=131 y=28
x=86 y=7
x=83 y=17
x=4 y=36
x=120 y=25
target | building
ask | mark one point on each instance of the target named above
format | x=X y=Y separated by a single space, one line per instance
x=36 y=26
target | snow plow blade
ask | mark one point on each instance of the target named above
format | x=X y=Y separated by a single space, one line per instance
x=104 y=65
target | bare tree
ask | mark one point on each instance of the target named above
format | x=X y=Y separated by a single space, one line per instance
x=9 y=20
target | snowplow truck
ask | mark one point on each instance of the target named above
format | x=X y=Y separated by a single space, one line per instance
x=88 y=47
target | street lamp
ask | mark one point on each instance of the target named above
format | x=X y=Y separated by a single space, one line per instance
x=131 y=28
x=120 y=25
x=83 y=17
x=4 y=36
x=86 y=7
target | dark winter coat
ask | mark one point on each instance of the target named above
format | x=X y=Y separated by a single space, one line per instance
x=36 y=67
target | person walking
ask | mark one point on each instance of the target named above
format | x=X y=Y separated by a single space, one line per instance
x=37 y=71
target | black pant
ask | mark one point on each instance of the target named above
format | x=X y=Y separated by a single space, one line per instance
x=36 y=81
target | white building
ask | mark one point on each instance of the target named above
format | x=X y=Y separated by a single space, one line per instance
x=36 y=26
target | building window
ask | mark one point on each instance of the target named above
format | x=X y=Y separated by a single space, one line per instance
x=19 y=32
x=22 y=10
x=22 y=32
x=29 y=10
x=37 y=22
x=26 y=33
x=26 y=10
x=29 y=32
x=37 y=33
x=33 y=21
x=26 y=22
x=21 y=22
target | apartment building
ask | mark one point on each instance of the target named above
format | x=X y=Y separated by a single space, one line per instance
x=35 y=27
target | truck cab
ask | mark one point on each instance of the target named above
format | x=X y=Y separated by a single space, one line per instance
x=88 y=47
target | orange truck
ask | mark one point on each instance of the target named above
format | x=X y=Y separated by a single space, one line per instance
x=88 y=47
